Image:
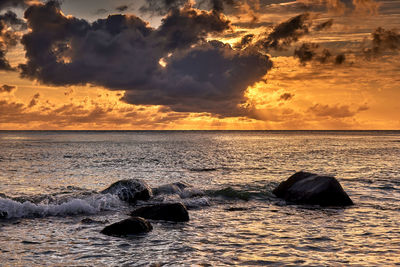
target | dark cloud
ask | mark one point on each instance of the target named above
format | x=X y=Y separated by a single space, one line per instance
x=162 y=7
x=34 y=100
x=9 y=24
x=245 y=41
x=324 y=25
x=187 y=26
x=383 y=41
x=123 y=52
x=287 y=32
x=7 y=88
x=122 y=8
x=308 y=52
x=340 y=59
x=10 y=18
x=286 y=96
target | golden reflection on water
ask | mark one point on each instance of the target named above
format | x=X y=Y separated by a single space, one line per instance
x=265 y=231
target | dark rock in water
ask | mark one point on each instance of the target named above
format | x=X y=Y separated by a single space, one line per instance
x=313 y=189
x=129 y=190
x=236 y=209
x=3 y=214
x=175 y=212
x=131 y=226
x=229 y=192
x=91 y=221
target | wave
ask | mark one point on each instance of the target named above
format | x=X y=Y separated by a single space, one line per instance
x=78 y=201
x=10 y=208
x=245 y=194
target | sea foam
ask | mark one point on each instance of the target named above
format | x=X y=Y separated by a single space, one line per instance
x=91 y=205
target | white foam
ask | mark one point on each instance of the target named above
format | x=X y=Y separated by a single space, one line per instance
x=196 y=202
x=89 y=205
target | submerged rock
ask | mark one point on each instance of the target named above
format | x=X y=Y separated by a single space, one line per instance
x=130 y=226
x=313 y=189
x=175 y=212
x=229 y=192
x=129 y=190
x=91 y=221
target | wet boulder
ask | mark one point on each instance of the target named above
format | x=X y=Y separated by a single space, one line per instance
x=3 y=214
x=129 y=190
x=130 y=226
x=175 y=212
x=313 y=189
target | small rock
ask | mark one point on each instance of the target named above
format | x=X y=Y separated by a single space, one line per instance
x=130 y=226
x=175 y=212
x=236 y=209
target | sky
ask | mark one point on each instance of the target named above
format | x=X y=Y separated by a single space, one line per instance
x=199 y=65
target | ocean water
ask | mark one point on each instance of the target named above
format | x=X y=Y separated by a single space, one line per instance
x=49 y=182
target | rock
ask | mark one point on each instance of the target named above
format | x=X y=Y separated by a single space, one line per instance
x=129 y=190
x=91 y=221
x=236 y=209
x=175 y=212
x=3 y=214
x=313 y=189
x=130 y=226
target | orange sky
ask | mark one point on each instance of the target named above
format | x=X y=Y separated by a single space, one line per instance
x=360 y=93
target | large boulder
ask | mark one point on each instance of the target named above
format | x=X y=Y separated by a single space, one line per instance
x=313 y=189
x=130 y=226
x=175 y=212
x=129 y=190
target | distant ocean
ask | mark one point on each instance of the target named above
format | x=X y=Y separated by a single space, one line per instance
x=49 y=182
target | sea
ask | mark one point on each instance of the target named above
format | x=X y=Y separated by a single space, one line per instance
x=52 y=212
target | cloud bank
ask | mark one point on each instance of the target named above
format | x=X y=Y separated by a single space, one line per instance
x=175 y=65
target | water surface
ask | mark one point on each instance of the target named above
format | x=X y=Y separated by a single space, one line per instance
x=50 y=180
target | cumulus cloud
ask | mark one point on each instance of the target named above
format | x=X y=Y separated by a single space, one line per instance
x=287 y=32
x=308 y=52
x=174 y=65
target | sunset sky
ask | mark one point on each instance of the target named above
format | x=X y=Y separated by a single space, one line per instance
x=204 y=64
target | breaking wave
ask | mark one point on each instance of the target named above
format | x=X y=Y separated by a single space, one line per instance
x=10 y=208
